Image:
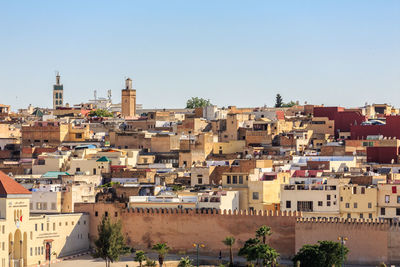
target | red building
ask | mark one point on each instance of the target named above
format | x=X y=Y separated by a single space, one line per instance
x=344 y=119
x=390 y=129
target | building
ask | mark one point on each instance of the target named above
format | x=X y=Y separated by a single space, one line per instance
x=358 y=201
x=34 y=239
x=58 y=93
x=128 y=100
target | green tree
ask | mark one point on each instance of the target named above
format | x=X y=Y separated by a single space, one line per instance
x=100 y=113
x=310 y=256
x=263 y=232
x=185 y=262
x=249 y=250
x=150 y=263
x=267 y=255
x=334 y=252
x=197 y=102
x=229 y=241
x=162 y=250
x=110 y=244
x=140 y=257
x=278 y=101
x=289 y=104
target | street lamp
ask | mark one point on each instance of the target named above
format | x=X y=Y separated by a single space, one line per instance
x=197 y=246
x=342 y=240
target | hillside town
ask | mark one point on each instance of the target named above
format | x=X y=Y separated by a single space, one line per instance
x=310 y=172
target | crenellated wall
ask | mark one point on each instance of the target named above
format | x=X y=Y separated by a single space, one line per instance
x=180 y=228
x=369 y=241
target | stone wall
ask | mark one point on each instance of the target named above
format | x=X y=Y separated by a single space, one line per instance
x=180 y=228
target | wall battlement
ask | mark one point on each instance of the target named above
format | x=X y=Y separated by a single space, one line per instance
x=170 y=211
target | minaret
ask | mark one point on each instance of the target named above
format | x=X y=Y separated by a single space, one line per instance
x=58 y=93
x=128 y=100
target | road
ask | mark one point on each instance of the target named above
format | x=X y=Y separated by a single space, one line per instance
x=88 y=261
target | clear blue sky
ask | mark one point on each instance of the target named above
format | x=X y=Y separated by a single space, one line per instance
x=232 y=52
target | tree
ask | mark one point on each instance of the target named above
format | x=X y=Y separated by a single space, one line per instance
x=249 y=250
x=335 y=253
x=229 y=241
x=110 y=244
x=263 y=232
x=278 y=101
x=185 y=262
x=196 y=102
x=162 y=250
x=150 y=263
x=140 y=257
x=267 y=254
x=310 y=256
x=325 y=253
x=289 y=104
x=100 y=113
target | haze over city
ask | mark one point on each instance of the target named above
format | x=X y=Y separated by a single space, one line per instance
x=231 y=52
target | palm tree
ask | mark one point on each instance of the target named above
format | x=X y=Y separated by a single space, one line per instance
x=229 y=241
x=185 y=262
x=140 y=257
x=263 y=232
x=162 y=250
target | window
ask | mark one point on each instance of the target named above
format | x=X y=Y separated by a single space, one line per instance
x=398 y=199
x=304 y=206
x=255 y=195
x=328 y=203
x=397 y=211
x=387 y=199
x=341 y=199
x=106 y=214
x=96 y=213
x=35 y=226
x=348 y=215
x=228 y=179
x=361 y=215
x=234 y=179
x=42 y=250
x=38 y=206
x=116 y=214
x=48 y=227
x=370 y=215
x=320 y=203
x=355 y=205
x=240 y=179
x=31 y=251
x=42 y=227
x=328 y=197
x=44 y=207
x=94 y=170
x=370 y=205
x=77 y=169
x=362 y=190
x=35 y=251
x=72 y=223
x=288 y=204
x=84 y=222
x=383 y=211
x=78 y=135
x=53 y=206
x=347 y=205
x=199 y=180
x=354 y=190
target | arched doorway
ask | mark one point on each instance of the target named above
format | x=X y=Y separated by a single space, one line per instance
x=17 y=250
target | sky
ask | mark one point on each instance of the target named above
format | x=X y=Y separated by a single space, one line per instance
x=241 y=53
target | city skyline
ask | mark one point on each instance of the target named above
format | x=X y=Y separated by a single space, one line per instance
x=324 y=53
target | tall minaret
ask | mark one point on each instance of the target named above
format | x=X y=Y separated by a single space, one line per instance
x=128 y=100
x=58 y=93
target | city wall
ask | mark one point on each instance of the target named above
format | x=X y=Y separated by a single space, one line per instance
x=181 y=229
x=369 y=241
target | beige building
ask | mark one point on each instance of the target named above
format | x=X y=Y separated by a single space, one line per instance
x=357 y=201
x=34 y=239
x=389 y=201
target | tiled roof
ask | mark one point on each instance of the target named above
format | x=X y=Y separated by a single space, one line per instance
x=8 y=186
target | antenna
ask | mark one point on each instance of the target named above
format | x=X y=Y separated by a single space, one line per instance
x=95 y=97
